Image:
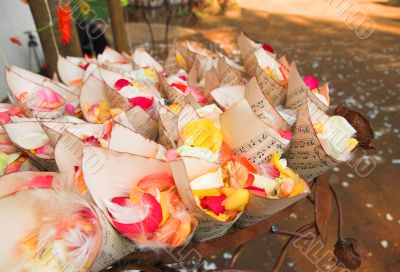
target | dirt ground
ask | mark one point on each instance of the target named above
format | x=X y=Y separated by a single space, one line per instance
x=363 y=74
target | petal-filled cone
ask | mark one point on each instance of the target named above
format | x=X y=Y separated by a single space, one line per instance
x=70 y=73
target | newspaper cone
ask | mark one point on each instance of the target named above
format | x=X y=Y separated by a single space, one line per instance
x=31 y=212
x=298 y=92
x=306 y=155
x=171 y=66
x=184 y=170
x=26 y=134
x=275 y=92
x=247 y=48
x=95 y=91
x=21 y=86
x=229 y=72
x=250 y=137
x=140 y=121
x=123 y=139
x=262 y=106
x=70 y=73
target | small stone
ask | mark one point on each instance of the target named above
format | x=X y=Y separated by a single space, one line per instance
x=369 y=205
x=369 y=254
x=384 y=243
x=345 y=184
x=335 y=169
x=350 y=175
x=227 y=255
x=290 y=264
x=293 y=216
x=389 y=217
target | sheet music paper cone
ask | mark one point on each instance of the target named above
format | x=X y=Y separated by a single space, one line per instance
x=249 y=136
x=275 y=92
x=184 y=170
x=229 y=72
x=262 y=106
x=247 y=48
x=306 y=155
x=16 y=130
x=298 y=92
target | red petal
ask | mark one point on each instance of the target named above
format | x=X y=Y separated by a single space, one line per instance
x=250 y=180
x=272 y=171
x=256 y=191
x=179 y=86
x=142 y=102
x=162 y=181
x=4 y=117
x=268 y=48
x=41 y=182
x=214 y=204
x=149 y=225
x=91 y=140
x=120 y=83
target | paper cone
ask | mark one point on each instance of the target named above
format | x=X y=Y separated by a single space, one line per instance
x=100 y=167
x=6 y=145
x=275 y=92
x=94 y=91
x=262 y=106
x=18 y=85
x=188 y=55
x=168 y=128
x=249 y=136
x=227 y=96
x=68 y=155
x=145 y=60
x=211 y=83
x=70 y=73
x=54 y=130
x=229 y=72
x=184 y=170
x=123 y=139
x=16 y=130
x=70 y=97
x=115 y=61
x=140 y=121
x=306 y=155
x=170 y=93
x=23 y=212
x=247 y=48
x=298 y=92
x=170 y=65
x=260 y=208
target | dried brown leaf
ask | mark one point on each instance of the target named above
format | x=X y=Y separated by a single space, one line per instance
x=322 y=206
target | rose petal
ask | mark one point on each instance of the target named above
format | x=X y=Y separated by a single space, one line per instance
x=146 y=227
x=162 y=181
x=256 y=191
x=50 y=96
x=268 y=48
x=311 y=82
x=214 y=203
x=142 y=102
x=41 y=182
x=120 y=83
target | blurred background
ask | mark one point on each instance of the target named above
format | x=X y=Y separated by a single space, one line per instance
x=353 y=45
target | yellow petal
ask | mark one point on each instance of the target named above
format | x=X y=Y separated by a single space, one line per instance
x=206 y=192
x=203 y=133
x=221 y=217
x=298 y=189
x=228 y=191
x=319 y=128
x=275 y=161
x=164 y=207
x=180 y=60
x=237 y=201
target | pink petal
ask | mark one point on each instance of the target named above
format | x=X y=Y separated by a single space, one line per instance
x=120 y=83
x=197 y=94
x=146 y=227
x=41 y=182
x=70 y=108
x=141 y=101
x=172 y=155
x=311 y=82
x=50 y=96
x=4 y=117
x=47 y=149
x=286 y=134
x=256 y=191
x=214 y=203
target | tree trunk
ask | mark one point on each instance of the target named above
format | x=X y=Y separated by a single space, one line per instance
x=42 y=21
x=117 y=25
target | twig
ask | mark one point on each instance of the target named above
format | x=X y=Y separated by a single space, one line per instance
x=236 y=256
x=339 y=211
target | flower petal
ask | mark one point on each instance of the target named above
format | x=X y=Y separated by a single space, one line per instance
x=142 y=102
x=41 y=182
x=120 y=83
x=214 y=204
